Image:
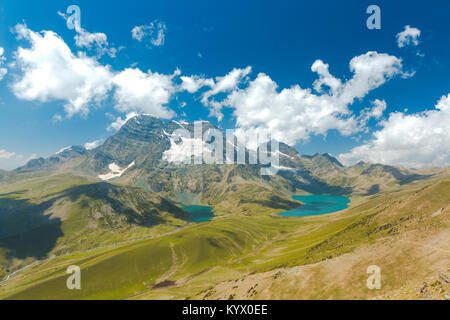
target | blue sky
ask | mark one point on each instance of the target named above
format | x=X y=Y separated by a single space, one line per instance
x=208 y=39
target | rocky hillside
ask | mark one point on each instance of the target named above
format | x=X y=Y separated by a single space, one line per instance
x=62 y=156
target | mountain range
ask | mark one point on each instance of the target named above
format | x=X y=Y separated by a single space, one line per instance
x=144 y=141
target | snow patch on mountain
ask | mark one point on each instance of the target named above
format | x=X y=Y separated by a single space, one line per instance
x=178 y=123
x=183 y=151
x=64 y=149
x=284 y=155
x=115 y=171
x=282 y=168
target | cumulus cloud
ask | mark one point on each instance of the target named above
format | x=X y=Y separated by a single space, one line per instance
x=370 y=71
x=227 y=83
x=12 y=160
x=154 y=32
x=295 y=113
x=289 y=115
x=194 y=83
x=379 y=106
x=411 y=140
x=223 y=84
x=141 y=92
x=375 y=112
x=119 y=122
x=57 y=118
x=92 y=145
x=3 y=71
x=5 y=154
x=50 y=71
x=97 y=40
x=409 y=36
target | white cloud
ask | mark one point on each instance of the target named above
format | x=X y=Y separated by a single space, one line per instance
x=194 y=83
x=93 y=144
x=228 y=82
x=224 y=84
x=33 y=156
x=12 y=160
x=155 y=32
x=57 y=118
x=379 y=106
x=376 y=112
x=5 y=154
x=412 y=140
x=326 y=79
x=290 y=115
x=370 y=71
x=409 y=36
x=119 y=122
x=97 y=40
x=141 y=92
x=295 y=113
x=3 y=71
x=50 y=71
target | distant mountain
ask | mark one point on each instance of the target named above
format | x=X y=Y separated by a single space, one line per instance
x=145 y=153
x=325 y=160
x=58 y=158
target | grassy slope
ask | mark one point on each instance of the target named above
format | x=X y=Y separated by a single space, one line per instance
x=59 y=214
x=121 y=272
x=230 y=255
x=400 y=235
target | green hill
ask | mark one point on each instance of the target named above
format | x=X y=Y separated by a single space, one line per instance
x=221 y=258
x=59 y=214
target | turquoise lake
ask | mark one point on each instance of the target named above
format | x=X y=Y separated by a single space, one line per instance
x=317 y=205
x=199 y=213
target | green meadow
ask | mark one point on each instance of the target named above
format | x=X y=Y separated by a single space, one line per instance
x=182 y=261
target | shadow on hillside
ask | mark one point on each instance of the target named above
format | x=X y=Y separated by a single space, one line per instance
x=18 y=193
x=25 y=229
x=314 y=185
x=373 y=190
x=35 y=243
x=274 y=202
x=401 y=177
x=140 y=212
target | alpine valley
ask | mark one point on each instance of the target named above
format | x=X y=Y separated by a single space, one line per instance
x=123 y=213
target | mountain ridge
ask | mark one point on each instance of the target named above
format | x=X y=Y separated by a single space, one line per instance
x=140 y=145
